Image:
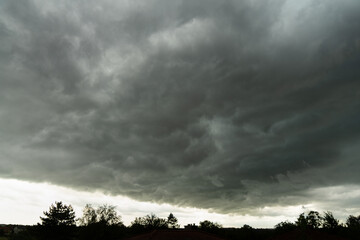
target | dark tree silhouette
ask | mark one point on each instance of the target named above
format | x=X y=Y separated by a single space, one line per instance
x=59 y=215
x=172 y=221
x=314 y=219
x=89 y=216
x=149 y=222
x=105 y=214
x=58 y=223
x=353 y=222
x=100 y=223
x=301 y=221
x=329 y=221
x=285 y=226
x=311 y=220
x=138 y=224
x=108 y=215
x=153 y=222
x=209 y=226
x=247 y=227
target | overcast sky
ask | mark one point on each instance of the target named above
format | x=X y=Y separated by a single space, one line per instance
x=232 y=107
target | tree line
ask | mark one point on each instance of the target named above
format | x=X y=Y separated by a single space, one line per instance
x=103 y=222
x=314 y=220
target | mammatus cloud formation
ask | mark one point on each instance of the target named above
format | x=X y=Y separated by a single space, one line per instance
x=226 y=105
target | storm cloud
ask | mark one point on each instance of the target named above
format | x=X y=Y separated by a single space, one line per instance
x=225 y=105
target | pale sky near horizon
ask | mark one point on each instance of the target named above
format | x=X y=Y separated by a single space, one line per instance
x=24 y=203
x=240 y=111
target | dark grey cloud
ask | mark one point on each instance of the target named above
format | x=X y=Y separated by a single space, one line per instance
x=225 y=105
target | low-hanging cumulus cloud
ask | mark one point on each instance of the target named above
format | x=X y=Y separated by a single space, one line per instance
x=224 y=105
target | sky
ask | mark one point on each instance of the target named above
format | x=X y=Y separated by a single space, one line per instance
x=234 y=111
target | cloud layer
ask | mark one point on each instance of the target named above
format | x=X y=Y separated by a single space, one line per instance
x=224 y=105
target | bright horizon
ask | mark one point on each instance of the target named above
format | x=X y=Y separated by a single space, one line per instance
x=35 y=198
x=39 y=196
